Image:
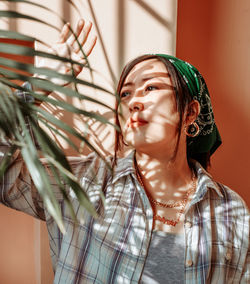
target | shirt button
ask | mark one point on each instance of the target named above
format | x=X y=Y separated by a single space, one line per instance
x=188 y=225
x=189 y=262
x=228 y=255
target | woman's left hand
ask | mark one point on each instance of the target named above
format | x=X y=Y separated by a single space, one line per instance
x=67 y=46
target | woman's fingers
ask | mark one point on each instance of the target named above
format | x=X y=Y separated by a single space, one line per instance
x=71 y=40
x=86 y=32
x=82 y=37
x=64 y=33
x=78 y=46
x=91 y=46
x=87 y=50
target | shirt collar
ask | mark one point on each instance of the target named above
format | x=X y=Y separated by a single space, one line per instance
x=125 y=166
x=205 y=182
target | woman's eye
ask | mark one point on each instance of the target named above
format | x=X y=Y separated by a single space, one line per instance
x=124 y=94
x=151 y=88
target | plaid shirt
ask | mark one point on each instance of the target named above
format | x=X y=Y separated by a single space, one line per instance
x=113 y=247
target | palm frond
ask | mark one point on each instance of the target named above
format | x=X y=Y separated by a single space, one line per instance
x=18 y=119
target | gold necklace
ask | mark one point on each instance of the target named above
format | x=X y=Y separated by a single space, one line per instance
x=181 y=203
x=171 y=203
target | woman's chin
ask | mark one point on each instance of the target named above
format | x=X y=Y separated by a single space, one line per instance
x=142 y=144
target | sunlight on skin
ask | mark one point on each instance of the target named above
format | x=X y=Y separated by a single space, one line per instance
x=150 y=124
x=159 y=108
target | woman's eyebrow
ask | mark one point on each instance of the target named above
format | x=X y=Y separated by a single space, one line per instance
x=156 y=75
x=127 y=84
x=152 y=76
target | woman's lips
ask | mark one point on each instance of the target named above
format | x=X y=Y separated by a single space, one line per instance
x=133 y=123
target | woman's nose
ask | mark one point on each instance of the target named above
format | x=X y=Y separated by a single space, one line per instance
x=136 y=106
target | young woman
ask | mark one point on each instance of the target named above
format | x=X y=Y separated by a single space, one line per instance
x=165 y=220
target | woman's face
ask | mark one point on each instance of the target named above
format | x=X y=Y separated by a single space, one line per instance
x=149 y=118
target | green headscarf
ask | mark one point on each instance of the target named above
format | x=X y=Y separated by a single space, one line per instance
x=208 y=139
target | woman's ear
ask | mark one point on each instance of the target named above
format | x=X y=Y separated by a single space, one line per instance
x=192 y=112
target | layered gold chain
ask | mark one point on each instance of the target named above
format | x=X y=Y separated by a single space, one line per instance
x=171 y=204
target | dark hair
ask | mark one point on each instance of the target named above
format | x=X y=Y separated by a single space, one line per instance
x=182 y=96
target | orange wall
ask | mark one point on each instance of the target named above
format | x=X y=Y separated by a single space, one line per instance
x=17 y=257
x=214 y=36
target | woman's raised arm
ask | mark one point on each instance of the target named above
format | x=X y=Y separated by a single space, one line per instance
x=17 y=187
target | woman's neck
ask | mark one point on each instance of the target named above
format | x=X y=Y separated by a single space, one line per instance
x=164 y=178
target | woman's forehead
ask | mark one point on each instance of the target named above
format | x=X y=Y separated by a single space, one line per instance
x=145 y=70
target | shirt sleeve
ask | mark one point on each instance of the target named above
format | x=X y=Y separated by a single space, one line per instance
x=24 y=95
x=17 y=189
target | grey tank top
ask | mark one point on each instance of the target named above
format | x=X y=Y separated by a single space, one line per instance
x=165 y=260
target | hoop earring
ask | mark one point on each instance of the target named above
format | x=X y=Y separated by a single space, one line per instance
x=192 y=130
